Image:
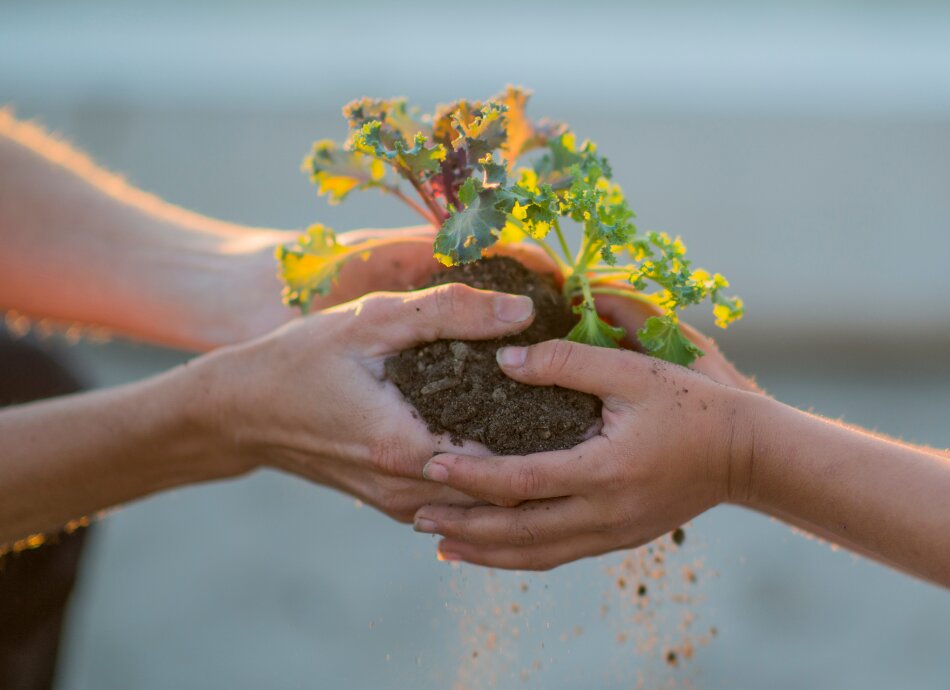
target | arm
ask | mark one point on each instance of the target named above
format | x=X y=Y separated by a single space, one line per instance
x=874 y=494
x=676 y=443
x=309 y=399
x=79 y=244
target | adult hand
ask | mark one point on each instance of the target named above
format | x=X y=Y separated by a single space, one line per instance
x=311 y=398
x=672 y=444
x=245 y=302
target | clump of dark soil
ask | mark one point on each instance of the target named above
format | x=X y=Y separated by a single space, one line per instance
x=458 y=388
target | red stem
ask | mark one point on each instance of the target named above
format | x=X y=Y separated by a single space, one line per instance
x=440 y=213
x=395 y=191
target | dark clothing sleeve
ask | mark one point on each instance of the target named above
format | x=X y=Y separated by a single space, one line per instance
x=35 y=584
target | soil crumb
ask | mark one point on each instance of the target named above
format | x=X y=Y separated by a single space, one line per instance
x=458 y=388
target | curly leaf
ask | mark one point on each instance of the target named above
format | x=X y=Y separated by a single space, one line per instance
x=337 y=172
x=480 y=132
x=661 y=337
x=415 y=162
x=310 y=265
x=524 y=135
x=397 y=119
x=468 y=232
x=466 y=171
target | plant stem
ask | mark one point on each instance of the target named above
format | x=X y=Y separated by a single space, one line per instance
x=562 y=266
x=584 y=256
x=609 y=269
x=602 y=277
x=447 y=184
x=440 y=213
x=620 y=292
x=560 y=237
x=396 y=192
x=588 y=296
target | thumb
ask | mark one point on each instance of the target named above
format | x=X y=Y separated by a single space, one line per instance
x=595 y=370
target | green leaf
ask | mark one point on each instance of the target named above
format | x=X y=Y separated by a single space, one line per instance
x=482 y=132
x=337 y=172
x=562 y=154
x=310 y=265
x=397 y=119
x=460 y=161
x=496 y=175
x=468 y=232
x=421 y=160
x=469 y=190
x=534 y=207
x=415 y=162
x=592 y=330
x=662 y=338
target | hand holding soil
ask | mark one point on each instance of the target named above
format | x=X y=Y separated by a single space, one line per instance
x=670 y=437
x=312 y=398
x=675 y=443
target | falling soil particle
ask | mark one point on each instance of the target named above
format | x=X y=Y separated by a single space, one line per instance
x=458 y=387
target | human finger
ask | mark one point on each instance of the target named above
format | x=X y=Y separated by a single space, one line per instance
x=595 y=370
x=538 y=557
x=534 y=522
x=522 y=477
x=397 y=321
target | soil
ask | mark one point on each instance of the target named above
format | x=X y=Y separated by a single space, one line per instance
x=458 y=388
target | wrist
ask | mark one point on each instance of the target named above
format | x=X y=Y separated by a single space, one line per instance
x=208 y=284
x=201 y=422
x=238 y=297
x=744 y=449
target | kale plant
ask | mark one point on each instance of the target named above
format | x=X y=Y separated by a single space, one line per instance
x=462 y=165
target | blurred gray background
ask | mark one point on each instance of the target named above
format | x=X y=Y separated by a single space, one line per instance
x=802 y=149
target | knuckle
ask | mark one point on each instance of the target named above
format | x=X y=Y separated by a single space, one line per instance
x=450 y=299
x=375 y=308
x=454 y=523
x=556 y=357
x=461 y=530
x=526 y=482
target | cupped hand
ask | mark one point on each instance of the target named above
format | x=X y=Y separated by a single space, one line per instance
x=245 y=302
x=311 y=398
x=672 y=445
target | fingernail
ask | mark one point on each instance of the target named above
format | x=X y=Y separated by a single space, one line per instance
x=435 y=472
x=511 y=357
x=513 y=308
x=424 y=525
x=448 y=556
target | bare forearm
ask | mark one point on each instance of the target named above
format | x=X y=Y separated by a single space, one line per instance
x=81 y=245
x=76 y=455
x=875 y=495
